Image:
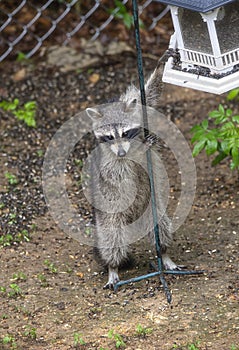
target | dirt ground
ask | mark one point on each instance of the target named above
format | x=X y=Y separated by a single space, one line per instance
x=51 y=287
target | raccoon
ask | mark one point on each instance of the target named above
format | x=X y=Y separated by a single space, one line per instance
x=121 y=193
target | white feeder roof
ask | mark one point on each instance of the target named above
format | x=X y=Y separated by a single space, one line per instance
x=197 y=5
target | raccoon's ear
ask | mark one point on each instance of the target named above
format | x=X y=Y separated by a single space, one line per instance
x=93 y=114
x=130 y=106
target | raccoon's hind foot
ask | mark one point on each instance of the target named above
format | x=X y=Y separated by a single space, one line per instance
x=113 y=278
x=169 y=264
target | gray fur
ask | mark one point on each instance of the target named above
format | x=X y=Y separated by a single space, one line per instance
x=123 y=183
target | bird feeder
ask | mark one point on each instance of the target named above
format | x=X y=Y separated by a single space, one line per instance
x=205 y=45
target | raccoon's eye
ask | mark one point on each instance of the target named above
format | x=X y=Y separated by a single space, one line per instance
x=130 y=134
x=106 y=138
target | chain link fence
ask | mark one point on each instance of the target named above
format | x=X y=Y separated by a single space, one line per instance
x=27 y=25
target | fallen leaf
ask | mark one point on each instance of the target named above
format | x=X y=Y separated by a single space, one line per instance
x=20 y=75
x=94 y=78
x=80 y=274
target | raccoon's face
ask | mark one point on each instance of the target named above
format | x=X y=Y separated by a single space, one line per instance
x=116 y=126
x=119 y=137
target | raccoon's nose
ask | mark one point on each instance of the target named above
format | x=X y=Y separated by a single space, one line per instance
x=121 y=152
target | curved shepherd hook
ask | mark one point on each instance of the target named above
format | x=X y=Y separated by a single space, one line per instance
x=159 y=269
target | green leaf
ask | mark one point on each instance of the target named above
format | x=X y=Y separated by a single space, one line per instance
x=225 y=147
x=195 y=128
x=235 y=155
x=211 y=147
x=221 y=119
x=30 y=105
x=199 y=135
x=128 y=20
x=215 y=114
x=204 y=124
x=219 y=158
x=121 y=6
x=221 y=109
x=228 y=112
x=198 y=147
x=233 y=94
x=235 y=118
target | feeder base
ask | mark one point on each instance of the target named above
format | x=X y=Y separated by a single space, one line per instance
x=199 y=82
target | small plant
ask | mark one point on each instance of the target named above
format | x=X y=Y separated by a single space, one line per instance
x=143 y=331
x=88 y=231
x=234 y=347
x=21 y=57
x=51 y=266
x=121 y=12
x=19 y=276
x=193 y=346
x=43 y=280
x=12 y=179
x=222 y=138
x=30 y=332
x=6 y=240
x=27 y=113
x=119 y=342
x=12 y=217
x=9 y=340
x=40 y=152
x=69 y=269
x=22 y=236
x=79 y=162
x=233 y=95
x=15 y=291
x=78 y=340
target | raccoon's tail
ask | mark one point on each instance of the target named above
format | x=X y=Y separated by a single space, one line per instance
x=153 y=88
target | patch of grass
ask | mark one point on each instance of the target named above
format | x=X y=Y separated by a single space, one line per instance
x=50 y=266
x=234 y=347
x=11 y=178
x=30 y=332
x=193 y=346
x=21 y=57
x=15 y=291
x=12 y=217
x=23 y=310
x=8 y=239
x=119 y=342
x=19 y=276
x=22 y=236
x=79 y=162
x=3 y=289
x=40 y=152
x=42 y=278
x=143 y=331
x=9 y=340
x=78 y=340
x=26 y=113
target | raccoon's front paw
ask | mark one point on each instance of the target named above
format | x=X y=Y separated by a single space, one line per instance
x=113 y=279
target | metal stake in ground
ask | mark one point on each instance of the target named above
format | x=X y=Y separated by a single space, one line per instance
x=160 y=272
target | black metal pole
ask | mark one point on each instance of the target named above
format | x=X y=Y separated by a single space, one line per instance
x=159 y=269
